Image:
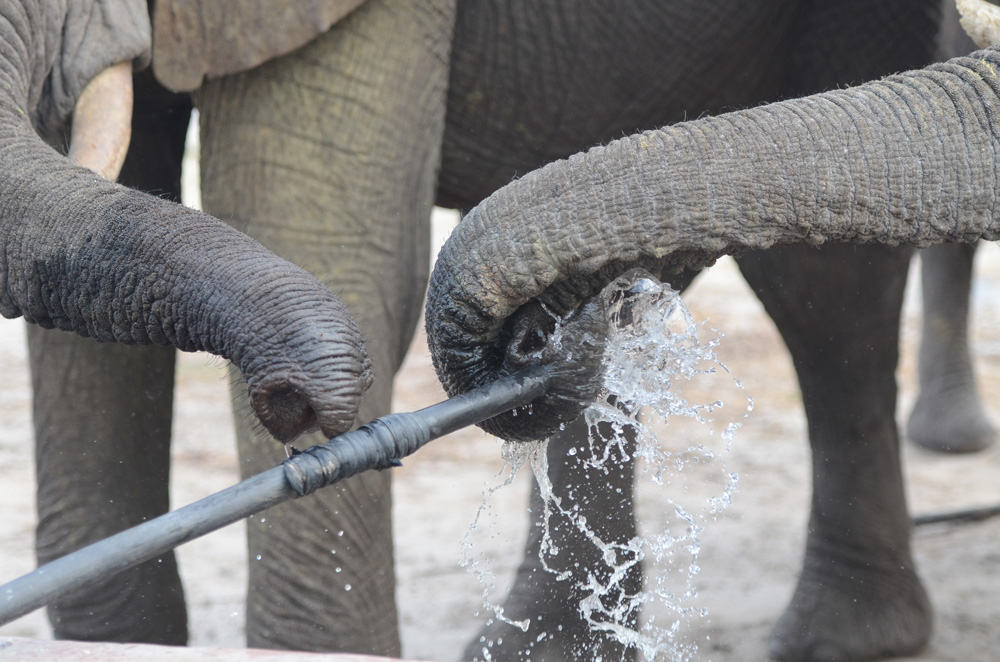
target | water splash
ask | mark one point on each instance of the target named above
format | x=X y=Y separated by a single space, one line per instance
x=515 y=456
x=660 y=377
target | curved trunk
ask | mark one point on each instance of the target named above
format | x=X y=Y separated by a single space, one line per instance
x=84 y=255
x=911 y=159
x=81 y=254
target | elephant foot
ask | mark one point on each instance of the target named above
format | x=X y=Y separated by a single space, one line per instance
x=549 y=637
x=950 y=423
x=858 y=614
x=557 y=630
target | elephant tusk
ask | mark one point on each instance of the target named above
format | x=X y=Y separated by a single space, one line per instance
x=981 y=21
x=102 y=122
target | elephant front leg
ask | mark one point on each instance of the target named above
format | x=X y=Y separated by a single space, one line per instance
x=102 y=416
x=329 y=157
x=320 y=569
x=858 y=596
x=102 y=439
x=948 y=415
x=561 y=562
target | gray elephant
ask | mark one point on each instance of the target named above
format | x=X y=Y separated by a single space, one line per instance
x=948 y=415
x=325 y=575
x=82 y=254
x=330 y=148
x=906 y=161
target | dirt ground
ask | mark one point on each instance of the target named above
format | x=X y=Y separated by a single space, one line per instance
x=749 y=556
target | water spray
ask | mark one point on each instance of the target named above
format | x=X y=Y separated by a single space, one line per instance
x=380 y=444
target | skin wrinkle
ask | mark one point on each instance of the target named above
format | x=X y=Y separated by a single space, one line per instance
x=890 y=99
x=701 y=193
x=927 y=198
x=862 y=117
x=844 y=112
x=14 y=59
x=982 y=74
x=12 y=83
x=954 y=161
x=312 y=143
x=179 y=244
x=770 y=199
x=14 y=62
x=946 y=156
x=977 y=87
x=362 y=223
x=959 y=161
x=800 y=122
x=296 y=552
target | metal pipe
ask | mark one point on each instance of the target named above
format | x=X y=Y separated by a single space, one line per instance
x=376 y=445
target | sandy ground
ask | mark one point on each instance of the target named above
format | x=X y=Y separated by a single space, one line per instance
x=749 y=556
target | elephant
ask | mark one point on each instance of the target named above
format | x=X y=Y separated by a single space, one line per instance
x=111 y=264
x=946 y=377
x=328 y=142
x=324 y=578
x=908 y=161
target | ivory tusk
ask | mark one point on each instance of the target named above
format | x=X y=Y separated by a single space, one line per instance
x=981 y=21
x=102 y=122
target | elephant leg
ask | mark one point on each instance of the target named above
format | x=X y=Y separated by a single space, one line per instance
x=552 y=603
x=948 y=415
x=102 y=431
x=858 y=595
x=549 y=588
x=102 y=439
x=329 y=157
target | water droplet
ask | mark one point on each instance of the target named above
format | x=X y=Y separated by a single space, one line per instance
x=347 y=587
x=258 y=557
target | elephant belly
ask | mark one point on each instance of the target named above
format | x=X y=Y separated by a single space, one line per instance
x=533 y=81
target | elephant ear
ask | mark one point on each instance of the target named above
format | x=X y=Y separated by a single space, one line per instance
x=72 y=43
x=198 y=39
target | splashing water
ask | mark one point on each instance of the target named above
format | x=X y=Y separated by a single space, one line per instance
x=660 y=416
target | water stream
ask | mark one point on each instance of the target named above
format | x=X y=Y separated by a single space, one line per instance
x=661 y=375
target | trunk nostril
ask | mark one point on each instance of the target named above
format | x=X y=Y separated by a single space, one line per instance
x=531 y=327
x=572 y=350
x=532 y=342
x=284 y=411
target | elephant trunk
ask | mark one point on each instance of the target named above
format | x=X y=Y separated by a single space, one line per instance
x=82 y=254
x=909 y=160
